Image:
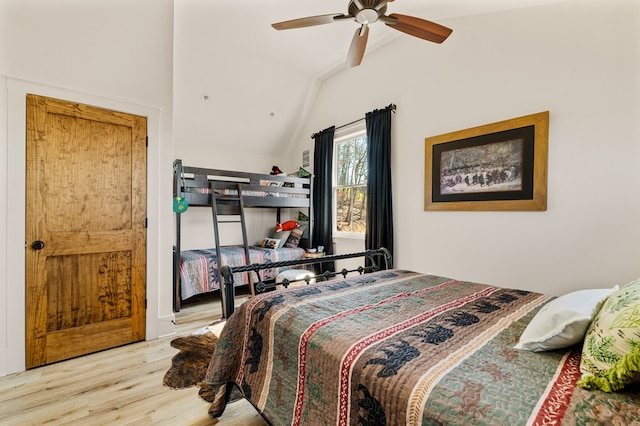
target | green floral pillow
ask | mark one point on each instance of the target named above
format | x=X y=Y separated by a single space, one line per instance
x=611 y=351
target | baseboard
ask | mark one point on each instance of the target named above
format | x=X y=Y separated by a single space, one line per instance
x=167 y=326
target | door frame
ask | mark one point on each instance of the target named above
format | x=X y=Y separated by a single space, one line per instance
x=160 y=320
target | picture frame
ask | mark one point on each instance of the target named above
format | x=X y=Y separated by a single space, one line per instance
x=500 y=166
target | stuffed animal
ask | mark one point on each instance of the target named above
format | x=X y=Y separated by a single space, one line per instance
x=286 y=226
x=275 y=170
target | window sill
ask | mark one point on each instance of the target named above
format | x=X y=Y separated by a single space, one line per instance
x=348 y=236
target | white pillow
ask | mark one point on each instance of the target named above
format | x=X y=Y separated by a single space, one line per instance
x=563 y=321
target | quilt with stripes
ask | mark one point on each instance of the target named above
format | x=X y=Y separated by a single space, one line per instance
x=402 y=348
x=199 y=268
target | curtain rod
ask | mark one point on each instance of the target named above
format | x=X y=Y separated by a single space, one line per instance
x=392 y=106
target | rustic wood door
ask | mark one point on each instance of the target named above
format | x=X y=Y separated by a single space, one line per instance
x=85 y=229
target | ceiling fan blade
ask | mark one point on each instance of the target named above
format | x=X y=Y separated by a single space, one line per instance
x=417 y=27
x=358 y=45
x=307 y=22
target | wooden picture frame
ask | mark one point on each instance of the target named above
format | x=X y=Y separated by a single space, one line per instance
x=498 y=167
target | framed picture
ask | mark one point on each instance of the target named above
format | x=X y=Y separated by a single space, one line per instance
x=498 y=166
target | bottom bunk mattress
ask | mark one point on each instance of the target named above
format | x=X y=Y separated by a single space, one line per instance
x=199 y=268
x=398 y=347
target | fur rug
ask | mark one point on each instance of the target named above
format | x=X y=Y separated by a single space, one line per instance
x=189 y=366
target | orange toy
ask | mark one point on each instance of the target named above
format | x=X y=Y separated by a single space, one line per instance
x=286 y=226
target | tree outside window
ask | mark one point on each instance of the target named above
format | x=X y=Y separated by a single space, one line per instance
x=350 y=191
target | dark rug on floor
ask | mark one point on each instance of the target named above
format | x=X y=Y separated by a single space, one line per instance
x=189 y=366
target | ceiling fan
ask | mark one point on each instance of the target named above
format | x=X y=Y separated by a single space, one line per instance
x=366 y=12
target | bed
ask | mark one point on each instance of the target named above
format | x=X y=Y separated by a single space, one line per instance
x=399 y=347
x=199 y=269
x=227 y=194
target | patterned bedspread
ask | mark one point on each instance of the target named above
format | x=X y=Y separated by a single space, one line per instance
x=199 y=268
x=397 y=347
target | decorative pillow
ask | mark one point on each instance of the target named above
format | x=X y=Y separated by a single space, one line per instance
x=270 y=183
x=611 y=351
x=294 y=238
x=270 y=243
x=280 y=235
x=563 y=321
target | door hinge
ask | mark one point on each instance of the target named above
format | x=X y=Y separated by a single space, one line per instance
x=146 y=222
x=147 y=141
x=145 y=303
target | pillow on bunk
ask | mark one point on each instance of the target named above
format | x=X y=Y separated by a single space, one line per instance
x=294 y=238
x=611 y=352
x=270 y=183
x=280 y=235
x=270 y=243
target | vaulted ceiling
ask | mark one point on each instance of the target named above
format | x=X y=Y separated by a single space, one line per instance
x=233 y=68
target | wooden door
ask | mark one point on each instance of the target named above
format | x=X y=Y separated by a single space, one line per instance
x=85 y=229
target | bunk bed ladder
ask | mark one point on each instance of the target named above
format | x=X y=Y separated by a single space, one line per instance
x=236 y=202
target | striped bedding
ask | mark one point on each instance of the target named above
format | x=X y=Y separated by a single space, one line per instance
x=199 y=268
x=398 y=347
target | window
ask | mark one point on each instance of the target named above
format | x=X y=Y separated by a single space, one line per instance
x=350 y=184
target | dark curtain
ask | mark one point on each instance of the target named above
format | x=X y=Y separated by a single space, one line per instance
x=322 y=234
x=379 y=203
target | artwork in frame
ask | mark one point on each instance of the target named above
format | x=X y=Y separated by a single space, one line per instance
x=497 y=166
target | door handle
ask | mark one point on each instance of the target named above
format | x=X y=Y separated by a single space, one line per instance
x=37 y=245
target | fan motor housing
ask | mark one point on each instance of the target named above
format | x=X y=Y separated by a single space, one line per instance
x=378 y=6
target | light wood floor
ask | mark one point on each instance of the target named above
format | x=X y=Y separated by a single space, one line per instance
x=121 y=386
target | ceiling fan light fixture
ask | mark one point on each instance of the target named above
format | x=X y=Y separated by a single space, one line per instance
x=367 y=16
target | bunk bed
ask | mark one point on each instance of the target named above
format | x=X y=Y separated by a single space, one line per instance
x=228 y=193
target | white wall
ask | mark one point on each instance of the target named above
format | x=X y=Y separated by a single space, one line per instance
x=581 y=61
x=219 y=133
x=109 y=53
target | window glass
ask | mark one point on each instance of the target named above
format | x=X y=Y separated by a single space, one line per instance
x=350 y=184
